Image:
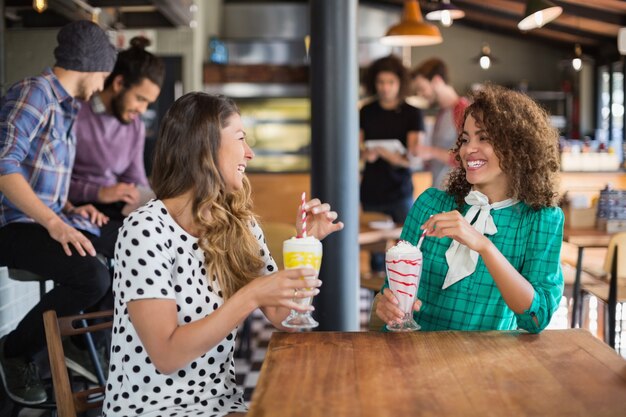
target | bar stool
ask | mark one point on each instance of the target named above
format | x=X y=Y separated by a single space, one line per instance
x=27 y=276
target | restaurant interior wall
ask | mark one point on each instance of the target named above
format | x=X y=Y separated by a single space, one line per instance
x=518 y=60
x=29 y=51
x=272 y=34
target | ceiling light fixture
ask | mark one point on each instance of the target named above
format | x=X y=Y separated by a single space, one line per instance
x=40 y=6
x=412 y=30
x=577 y=61
x=538 y=13
x=485 y=59
x=445 y=12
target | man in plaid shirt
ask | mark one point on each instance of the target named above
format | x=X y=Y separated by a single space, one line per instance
x=40 y=231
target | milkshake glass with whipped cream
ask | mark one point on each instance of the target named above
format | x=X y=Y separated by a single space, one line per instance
x=404 y=267
x=299 y=252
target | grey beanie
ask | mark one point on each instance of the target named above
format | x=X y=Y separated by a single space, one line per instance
x=85 y=47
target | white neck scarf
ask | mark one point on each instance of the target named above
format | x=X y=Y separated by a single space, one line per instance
x=461 y=260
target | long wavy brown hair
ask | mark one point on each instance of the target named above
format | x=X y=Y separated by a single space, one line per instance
x=524 y=141
x=186 y=158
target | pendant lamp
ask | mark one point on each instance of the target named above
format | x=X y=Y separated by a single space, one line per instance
x=445 y=12
x=577 y=61
x=539 y=13
x=485 y=59
x=412 y=30
x=40 y=6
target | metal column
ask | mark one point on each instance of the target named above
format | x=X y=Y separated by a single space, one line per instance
x=334 y=140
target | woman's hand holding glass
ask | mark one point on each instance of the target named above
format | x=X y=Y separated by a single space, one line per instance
x=282 y=288
x=387 y=308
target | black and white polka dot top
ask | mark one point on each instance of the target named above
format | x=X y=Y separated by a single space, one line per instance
x=156 y=258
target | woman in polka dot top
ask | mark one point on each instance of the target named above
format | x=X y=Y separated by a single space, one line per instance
x=191 y=265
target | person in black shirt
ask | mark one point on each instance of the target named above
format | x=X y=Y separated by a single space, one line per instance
x=386 y=184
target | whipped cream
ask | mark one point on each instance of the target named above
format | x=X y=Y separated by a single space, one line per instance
x=302 y=244
x=403 y=248
x=304 y=240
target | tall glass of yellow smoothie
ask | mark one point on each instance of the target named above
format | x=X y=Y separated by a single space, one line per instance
x=297 y=253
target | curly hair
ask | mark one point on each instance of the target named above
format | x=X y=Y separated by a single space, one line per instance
x=524 y=141
x=391 y=64
x=186 y=158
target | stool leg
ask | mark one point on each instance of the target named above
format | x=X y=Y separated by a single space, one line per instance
x=611 y=325
x=91 y=349
x=42 y=289
x=576 y=310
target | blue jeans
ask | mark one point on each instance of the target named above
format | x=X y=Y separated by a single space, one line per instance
x=398 y=210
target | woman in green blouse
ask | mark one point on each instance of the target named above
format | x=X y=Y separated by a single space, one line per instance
x=493 y=238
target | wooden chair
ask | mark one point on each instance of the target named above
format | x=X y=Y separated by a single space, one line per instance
x=69 y=403
x=369 y=279
x=610 y=284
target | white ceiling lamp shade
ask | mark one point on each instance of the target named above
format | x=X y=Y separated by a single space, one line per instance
x=539 y=13
x=445 y=12
x=412 y=30
x=621 y=41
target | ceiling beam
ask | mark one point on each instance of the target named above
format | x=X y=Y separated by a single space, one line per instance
x=119 y=3
x=70 y=10
x=143 y=20
x=176 y=11
x=613 y=6
x=516 y=11
x=503 y=23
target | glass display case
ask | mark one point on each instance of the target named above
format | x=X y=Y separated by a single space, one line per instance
x=279 y=132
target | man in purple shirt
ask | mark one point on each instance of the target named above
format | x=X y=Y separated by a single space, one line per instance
x=109 y=170
x=40 y=231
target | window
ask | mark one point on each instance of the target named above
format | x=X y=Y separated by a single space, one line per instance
x=610 y=128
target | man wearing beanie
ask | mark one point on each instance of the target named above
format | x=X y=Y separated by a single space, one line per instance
x=40 y=231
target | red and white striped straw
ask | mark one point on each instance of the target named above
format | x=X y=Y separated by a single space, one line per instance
x=419 y=242
x=303 y=213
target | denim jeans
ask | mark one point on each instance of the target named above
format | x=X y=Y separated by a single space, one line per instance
x=81 y=281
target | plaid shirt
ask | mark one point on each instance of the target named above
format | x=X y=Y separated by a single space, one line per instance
x=37 y=140
x=530 y=240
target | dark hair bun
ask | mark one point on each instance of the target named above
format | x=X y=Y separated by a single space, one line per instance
x=140 y=42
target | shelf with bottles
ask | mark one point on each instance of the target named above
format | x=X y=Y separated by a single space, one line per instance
x=577 y=155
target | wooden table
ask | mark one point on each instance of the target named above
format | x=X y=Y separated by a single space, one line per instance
x=369 y=236
x=556 y=373
x=583 y=238
x=374 y=240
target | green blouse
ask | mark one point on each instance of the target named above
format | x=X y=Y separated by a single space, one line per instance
x=531 y=241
